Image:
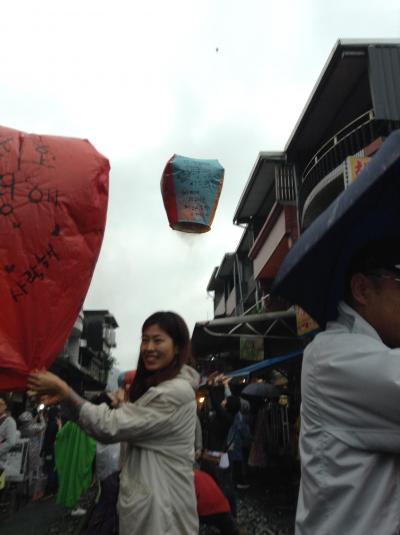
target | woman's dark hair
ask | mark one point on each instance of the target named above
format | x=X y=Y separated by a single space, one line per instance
x=176 y=328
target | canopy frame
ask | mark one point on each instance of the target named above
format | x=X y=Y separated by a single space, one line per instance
x=247 y=322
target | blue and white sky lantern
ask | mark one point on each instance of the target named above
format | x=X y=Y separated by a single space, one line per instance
x=191 y=189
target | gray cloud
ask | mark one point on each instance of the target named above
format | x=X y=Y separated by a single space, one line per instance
x=142 y=88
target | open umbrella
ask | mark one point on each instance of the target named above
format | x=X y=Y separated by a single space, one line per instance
x=262 y=390
x=313 y=272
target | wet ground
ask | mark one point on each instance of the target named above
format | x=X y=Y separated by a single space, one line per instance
x=266 y=508
x=264 y=514
x=46 y=517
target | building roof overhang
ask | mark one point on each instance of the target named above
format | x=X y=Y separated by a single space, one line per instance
x=341 y=87
x=226 y=267
x=105 y=314
x=260 y=181
x=246 y=242
x=212 y=282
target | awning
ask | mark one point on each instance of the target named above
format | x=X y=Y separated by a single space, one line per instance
x=223 y=334
x=265 y=364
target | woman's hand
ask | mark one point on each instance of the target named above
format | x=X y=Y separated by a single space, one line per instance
x=50 y=388
x=116 y=397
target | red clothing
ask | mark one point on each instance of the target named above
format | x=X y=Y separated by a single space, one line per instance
x=210 y=500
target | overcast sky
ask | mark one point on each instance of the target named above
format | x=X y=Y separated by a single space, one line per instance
x=143 y=80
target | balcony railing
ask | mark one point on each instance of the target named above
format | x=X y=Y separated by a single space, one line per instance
x=284 y=184
x=348 y=141
x=336 y=140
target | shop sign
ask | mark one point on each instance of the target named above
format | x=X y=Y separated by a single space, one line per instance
x=252 y=348
x=354 y=166
x=305 y=323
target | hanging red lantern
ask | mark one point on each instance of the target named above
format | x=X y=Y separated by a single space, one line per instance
x=191 y=189
x=53 y=204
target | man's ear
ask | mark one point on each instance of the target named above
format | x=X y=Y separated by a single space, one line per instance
x=361 y=289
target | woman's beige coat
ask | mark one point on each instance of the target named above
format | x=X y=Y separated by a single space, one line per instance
x=157 y=495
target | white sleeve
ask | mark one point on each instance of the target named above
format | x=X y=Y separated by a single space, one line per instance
x=356 y=394
x=129 y=423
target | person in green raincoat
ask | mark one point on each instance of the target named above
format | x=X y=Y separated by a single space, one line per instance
x=74 y=453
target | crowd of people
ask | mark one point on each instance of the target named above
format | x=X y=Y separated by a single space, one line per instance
x=160 y=463
x=164 y=466
x=37 y=427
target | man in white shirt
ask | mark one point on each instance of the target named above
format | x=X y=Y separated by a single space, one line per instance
x=350 y=416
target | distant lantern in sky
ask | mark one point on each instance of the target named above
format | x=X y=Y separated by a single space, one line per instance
x=190 y=189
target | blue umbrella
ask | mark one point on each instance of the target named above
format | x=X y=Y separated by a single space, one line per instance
x=313 y=273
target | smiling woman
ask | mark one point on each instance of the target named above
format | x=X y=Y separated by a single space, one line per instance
x=156 y=493
x=164 y=349
x=157 y=348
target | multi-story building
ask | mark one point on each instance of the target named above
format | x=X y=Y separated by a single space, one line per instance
x=87 y=357
x=353 y=107
x=241 y=283
x=355 y=104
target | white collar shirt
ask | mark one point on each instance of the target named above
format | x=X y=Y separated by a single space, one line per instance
x=350 y=432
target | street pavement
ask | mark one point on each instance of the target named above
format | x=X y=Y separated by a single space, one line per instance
x=266 y=508
x=32 y=519
x=267 y=512
x=46 y=517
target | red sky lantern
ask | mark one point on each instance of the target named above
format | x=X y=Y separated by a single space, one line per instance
x=53 y=204
x=190 y=189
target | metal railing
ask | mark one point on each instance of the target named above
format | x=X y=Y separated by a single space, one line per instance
x=335 y=140
x=348 y=141
x=285 y=189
